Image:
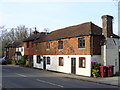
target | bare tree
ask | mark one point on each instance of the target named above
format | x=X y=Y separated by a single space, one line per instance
x=13 y=34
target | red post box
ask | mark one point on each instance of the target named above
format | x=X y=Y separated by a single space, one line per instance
x=110 y=71
x=103 y=71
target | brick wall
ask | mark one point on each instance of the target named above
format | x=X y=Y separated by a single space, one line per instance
x=28 y=51
x=70 y=47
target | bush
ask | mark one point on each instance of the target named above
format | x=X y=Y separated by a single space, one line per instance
x=13 y=62
x=95 y=72
x=95 y=67
x=22 y=61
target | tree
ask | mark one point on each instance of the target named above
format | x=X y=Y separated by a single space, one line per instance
x=8 y=35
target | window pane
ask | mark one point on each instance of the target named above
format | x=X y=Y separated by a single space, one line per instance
x=48 y=60
x=27 y=45
x=82 y=62
x=81 y=43
x=61 y=61
x=60 y=44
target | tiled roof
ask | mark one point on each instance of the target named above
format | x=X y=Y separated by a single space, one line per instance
x=83 y=29
x=14 y=45
x=73 y=31
x=35 y=37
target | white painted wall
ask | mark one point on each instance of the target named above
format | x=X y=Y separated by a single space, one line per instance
x=54 y=64
x=35 y=64
x=20 y=49
x=113 y=53
x=110 y=54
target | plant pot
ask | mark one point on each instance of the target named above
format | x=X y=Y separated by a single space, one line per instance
x=94 y=76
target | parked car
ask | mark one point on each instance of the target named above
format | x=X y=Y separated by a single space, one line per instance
x=3 y=61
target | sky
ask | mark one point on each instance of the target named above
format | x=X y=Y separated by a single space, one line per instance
x=56 y=14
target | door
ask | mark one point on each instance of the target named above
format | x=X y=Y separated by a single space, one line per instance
x=44 y=63
x=73 y=65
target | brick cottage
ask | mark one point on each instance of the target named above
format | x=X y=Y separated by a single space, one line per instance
x=72 y=49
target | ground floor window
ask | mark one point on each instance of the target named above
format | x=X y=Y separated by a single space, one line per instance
x=82 y=62
x=61 y=61
x=39 y=59
x=48 y=60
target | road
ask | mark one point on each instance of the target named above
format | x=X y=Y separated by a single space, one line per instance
x=20 y=77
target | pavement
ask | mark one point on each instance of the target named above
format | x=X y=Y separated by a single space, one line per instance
x=114 y=80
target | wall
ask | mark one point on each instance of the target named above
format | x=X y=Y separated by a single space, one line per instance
x=67 y=64
x=70 y=47
x=30 y=50
x=113 y=53
x=110 y=54
x=20 y=49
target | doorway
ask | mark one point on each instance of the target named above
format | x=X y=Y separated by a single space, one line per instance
x=73 y=65
x=44 y=63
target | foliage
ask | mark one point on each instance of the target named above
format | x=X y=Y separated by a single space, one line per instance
x=13 y=62
x=22 y=61
x=95 y=67
x=95 y=72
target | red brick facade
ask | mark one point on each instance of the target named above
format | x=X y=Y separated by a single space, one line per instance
x=28 y=51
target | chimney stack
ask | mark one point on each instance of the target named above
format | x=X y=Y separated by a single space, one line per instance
x=107 y=28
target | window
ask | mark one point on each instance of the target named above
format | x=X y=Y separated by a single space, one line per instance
x=61 y=61
x=32 y=44
x=47 y=45
x=48 y=60
x=21 y=49
x=27 y=45
x=39 y=59
x=60 y=44
x=82 y=62
x=81 y=42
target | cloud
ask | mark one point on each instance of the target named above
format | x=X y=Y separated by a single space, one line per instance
x=18 y=1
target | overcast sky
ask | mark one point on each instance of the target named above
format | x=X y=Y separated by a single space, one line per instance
x=55 y=14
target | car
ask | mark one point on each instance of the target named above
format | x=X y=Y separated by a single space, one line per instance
x=3 y=61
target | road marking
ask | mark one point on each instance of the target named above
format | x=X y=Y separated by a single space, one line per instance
x=49 y=83
x=20 y=75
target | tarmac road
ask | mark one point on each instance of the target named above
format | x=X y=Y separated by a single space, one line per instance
x=20 y=77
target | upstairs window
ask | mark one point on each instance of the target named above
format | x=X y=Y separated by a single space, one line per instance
x=61 y=61
x=32 y=44
x=81 y=42
x=27 y=45
x=48 y=60
x=60 y=44
x=47 y=45
x=82 y=62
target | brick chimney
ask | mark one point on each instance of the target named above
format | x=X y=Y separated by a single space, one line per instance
x=107 y=28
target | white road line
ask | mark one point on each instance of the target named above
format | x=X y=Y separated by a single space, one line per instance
x=20 y=75
x=49 y=83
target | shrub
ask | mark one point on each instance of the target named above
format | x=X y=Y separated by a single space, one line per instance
x=13 y=62
x=22 y=61
x=95 y=67
x=95 y=72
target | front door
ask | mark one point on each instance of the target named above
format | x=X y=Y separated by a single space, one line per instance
x=44 y=63
x=73 y=65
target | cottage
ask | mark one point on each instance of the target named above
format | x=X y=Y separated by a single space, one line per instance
x=72 y=49
x=29 y=45
x=11 y=50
